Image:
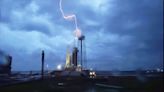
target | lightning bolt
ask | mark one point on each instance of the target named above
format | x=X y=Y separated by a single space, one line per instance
x=77 y=31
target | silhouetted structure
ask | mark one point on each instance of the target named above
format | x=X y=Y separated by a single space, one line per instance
x=81 y=38
x=42 y=71
x=5 y=68
x=74 y=56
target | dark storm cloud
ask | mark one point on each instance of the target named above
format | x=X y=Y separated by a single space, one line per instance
x=140 y=21
x=143 y=21
x=120 y=34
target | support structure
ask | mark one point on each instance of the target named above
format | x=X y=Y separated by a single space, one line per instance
x=74 y=56
x=81 y=38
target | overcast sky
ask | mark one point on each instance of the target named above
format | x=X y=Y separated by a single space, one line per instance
x=120 y=34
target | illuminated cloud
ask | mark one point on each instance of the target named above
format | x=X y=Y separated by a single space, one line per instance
x=102 y=6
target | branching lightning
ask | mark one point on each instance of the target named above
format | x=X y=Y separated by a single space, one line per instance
x=77 y=31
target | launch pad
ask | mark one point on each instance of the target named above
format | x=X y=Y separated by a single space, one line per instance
x=75 y=60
